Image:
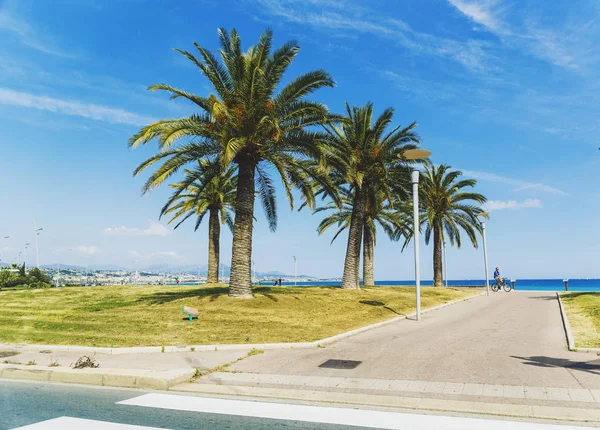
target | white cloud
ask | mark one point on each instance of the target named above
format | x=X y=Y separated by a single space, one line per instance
x=156 y=256
x=483 y=12
x=521 y=185
x=87 y=250
x=347 y=19
x=72 y=107
x=154 y=229
x=495 y=205
x=565 y=43
x=166 y=254
x=25 y=33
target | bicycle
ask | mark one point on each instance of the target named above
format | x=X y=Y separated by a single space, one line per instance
x=506 y=286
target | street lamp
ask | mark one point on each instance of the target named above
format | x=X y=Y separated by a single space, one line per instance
x=485 y=261
x=445 y=265
x=254 y=269
x=25 y=256
x=416 y=154
x=36 y=232
x=295 y=270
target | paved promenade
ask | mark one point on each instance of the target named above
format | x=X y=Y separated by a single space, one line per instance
x=507 y=339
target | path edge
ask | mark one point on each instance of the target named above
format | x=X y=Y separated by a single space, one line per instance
x=569 y=332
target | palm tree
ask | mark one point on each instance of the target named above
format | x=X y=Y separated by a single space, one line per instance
x=261 y=130
x=366 y=157
x=395 y=223
x=447 y=210
x=215 y=197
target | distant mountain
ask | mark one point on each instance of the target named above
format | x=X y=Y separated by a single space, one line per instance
x=62 y=267
x=108 y=267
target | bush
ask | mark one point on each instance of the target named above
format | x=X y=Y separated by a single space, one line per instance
x=6 y=276
x=35 y=279
x=40 y=276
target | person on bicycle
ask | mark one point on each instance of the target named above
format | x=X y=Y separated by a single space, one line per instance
x=497 y=277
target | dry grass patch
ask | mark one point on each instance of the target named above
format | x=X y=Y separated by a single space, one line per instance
x=149 y=315
x=583 y=311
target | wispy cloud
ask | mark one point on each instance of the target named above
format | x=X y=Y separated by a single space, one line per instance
x=73 y=108
x=568 y=44
x=347 y=19
x=25 y=33
x=154 y=229
x=87 y=250
x=496 y=205
x=520 y=185
x=159 y=255
x=482 y=12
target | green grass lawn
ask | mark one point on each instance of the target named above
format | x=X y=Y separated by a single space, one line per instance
x=148 y=315
x=583 y=311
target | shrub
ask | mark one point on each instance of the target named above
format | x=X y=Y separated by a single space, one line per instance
x=40 y=276
x=35 y=279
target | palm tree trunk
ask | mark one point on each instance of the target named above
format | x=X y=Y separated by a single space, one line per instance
x=351 y=277
x=438 y=280
x=240 y=280
x=214 y=231
x=368 y=258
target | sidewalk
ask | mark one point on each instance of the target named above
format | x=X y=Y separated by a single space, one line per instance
x=148 y=370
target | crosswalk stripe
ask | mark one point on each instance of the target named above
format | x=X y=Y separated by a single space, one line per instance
x=69 y=423
x=328 y=415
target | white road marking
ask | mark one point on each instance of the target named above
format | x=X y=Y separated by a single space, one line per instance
x=329 y=415
x=68 y=423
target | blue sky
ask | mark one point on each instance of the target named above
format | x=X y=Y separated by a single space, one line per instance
x=507 y=91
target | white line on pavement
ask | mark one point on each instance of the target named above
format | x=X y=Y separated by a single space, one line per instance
x=68 y=423
x=328 y=415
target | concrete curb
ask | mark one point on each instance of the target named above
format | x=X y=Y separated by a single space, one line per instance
x=227 y=347
x=129 y=378
x=415 y=403
x=569 y=332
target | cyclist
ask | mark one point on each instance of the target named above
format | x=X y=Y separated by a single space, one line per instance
x=497 y=277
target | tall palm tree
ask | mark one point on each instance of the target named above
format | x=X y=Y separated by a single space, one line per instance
x=447 y=210
x=366 y=157
x=394 y=222
x=215 y=196
x=259 y=124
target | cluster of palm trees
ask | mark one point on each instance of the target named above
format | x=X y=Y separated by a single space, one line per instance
x=253 y=129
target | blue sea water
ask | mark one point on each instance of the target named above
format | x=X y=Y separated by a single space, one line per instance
x=520 y=284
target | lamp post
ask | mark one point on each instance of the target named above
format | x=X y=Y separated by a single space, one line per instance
x=254 y=269
x=485 y=261
x=295 y=270
x=25 y=256
x=416 y=154
x=36 y=232
x=445 y=265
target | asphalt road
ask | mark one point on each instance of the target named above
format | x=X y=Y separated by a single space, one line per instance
x=512 y=338
x=23 y=404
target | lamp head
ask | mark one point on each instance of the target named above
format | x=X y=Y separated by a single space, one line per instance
x=415 y=154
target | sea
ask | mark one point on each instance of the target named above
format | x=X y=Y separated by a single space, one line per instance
x=520 y=284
